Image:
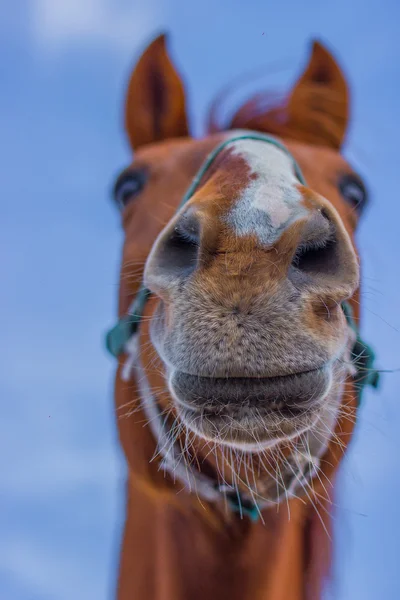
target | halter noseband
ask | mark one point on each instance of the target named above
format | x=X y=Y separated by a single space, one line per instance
x=118 y=338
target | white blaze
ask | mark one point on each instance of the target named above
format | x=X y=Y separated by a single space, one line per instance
x=271 y=201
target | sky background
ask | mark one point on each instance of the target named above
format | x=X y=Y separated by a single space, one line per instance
x=64 y=65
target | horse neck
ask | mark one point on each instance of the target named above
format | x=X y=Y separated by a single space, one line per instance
x=177 y=547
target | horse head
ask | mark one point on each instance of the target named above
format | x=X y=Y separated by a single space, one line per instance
x=245 y=344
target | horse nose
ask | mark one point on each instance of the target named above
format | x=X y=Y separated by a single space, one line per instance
x=314 y=253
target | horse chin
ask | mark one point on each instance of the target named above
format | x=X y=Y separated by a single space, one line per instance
x=251 y=430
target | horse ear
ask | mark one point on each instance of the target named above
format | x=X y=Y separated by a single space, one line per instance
x=318 y=106
x=155 y=100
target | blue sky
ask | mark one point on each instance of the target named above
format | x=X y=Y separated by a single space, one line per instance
x=64 y=64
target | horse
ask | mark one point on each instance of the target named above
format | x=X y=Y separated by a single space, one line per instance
x=240 y=364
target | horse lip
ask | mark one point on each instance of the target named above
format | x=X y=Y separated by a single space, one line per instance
x=295 y=391
x=255 y=377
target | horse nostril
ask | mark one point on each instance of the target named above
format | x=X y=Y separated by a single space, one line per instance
x=317 y=259
x=317 y=251
x=325 y=262
x=187 y=230
x=178 y=254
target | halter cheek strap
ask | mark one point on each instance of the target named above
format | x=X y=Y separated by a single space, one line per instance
x=119 y=338
x=362 y=357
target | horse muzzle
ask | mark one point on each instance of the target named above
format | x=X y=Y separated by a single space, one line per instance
x=243 y=410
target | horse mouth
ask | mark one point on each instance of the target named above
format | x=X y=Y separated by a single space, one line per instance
x=250 y=412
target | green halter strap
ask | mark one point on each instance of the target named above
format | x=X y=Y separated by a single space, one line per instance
x=117 y=338
x=362 y=356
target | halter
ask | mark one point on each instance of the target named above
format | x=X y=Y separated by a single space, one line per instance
x=123 y=338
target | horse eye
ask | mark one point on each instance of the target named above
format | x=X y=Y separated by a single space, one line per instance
x=128 y=185
x=353 y=191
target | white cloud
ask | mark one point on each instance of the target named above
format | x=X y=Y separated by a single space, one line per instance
x=64 y=24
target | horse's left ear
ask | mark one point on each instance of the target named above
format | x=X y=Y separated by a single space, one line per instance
x=155 y=101
x=318 y=106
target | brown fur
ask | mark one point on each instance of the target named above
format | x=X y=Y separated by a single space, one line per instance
x=175 y=547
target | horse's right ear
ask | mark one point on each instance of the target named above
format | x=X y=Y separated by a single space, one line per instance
x=155 y=100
